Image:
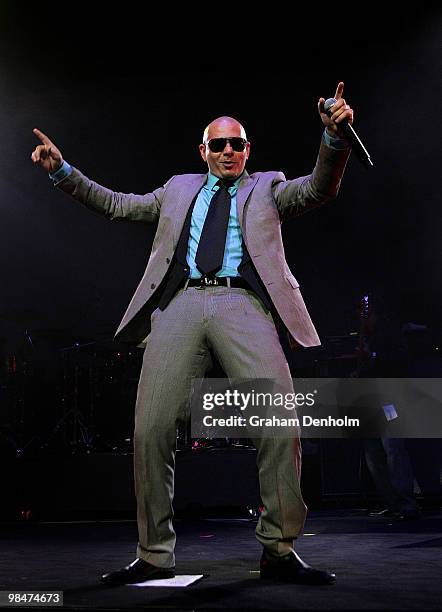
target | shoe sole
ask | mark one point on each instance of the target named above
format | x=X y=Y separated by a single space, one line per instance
x=161 y=575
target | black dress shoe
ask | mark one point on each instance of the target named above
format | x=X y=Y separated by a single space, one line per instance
x=291 y=568
x=138 y=571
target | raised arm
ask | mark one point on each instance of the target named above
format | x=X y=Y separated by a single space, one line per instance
x=306 y=192
x=111 y=204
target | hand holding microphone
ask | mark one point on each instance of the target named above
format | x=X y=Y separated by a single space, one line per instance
x=337 y=116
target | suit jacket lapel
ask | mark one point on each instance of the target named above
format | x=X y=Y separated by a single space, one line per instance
x=184 y=200
x=245 y=187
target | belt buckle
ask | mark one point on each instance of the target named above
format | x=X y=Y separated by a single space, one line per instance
x=208 y=281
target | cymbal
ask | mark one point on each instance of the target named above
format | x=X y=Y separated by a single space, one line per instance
x=79 y=345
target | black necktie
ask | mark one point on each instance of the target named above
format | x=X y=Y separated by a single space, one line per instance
x=210 y=252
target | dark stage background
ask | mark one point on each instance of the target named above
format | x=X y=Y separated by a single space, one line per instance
x=126 y=99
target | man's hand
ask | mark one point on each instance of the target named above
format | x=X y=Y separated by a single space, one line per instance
x=46 y=154
x=341 y=110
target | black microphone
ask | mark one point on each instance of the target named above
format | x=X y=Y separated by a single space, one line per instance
x=350 y=135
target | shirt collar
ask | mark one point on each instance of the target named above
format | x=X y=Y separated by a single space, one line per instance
x=212 y=180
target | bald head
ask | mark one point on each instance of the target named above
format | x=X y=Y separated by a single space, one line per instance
x=228 y=159
x=225 y=123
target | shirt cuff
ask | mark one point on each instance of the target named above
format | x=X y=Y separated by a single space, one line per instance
x=64 y=170
x=334 y=143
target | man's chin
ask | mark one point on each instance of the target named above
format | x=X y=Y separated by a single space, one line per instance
x=229 y=173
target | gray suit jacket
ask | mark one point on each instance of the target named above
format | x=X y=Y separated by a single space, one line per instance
x=263 y=200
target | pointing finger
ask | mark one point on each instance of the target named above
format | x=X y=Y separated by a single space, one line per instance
x=339 y=90
x=44 y=139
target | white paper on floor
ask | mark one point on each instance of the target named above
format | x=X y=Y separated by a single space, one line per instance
x=178 y=581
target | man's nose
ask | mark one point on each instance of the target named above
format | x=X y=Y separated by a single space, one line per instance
x=228 y=149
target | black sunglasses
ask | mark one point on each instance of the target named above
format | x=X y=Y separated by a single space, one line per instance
x=216 y=145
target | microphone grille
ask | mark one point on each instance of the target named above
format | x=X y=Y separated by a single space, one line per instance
x=328 y=104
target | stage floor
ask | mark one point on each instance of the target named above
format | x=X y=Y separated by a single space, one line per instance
x=380 y=564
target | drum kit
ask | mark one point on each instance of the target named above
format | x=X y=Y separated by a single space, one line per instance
x=62 y=393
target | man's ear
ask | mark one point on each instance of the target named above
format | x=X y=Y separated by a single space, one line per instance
x=202 y=148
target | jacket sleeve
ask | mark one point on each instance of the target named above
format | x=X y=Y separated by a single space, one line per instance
x=113 y=204
x=297 y=196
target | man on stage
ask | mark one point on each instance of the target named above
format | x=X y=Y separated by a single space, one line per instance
x=216 y=281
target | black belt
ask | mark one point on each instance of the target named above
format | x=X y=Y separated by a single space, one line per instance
x=216 y=281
